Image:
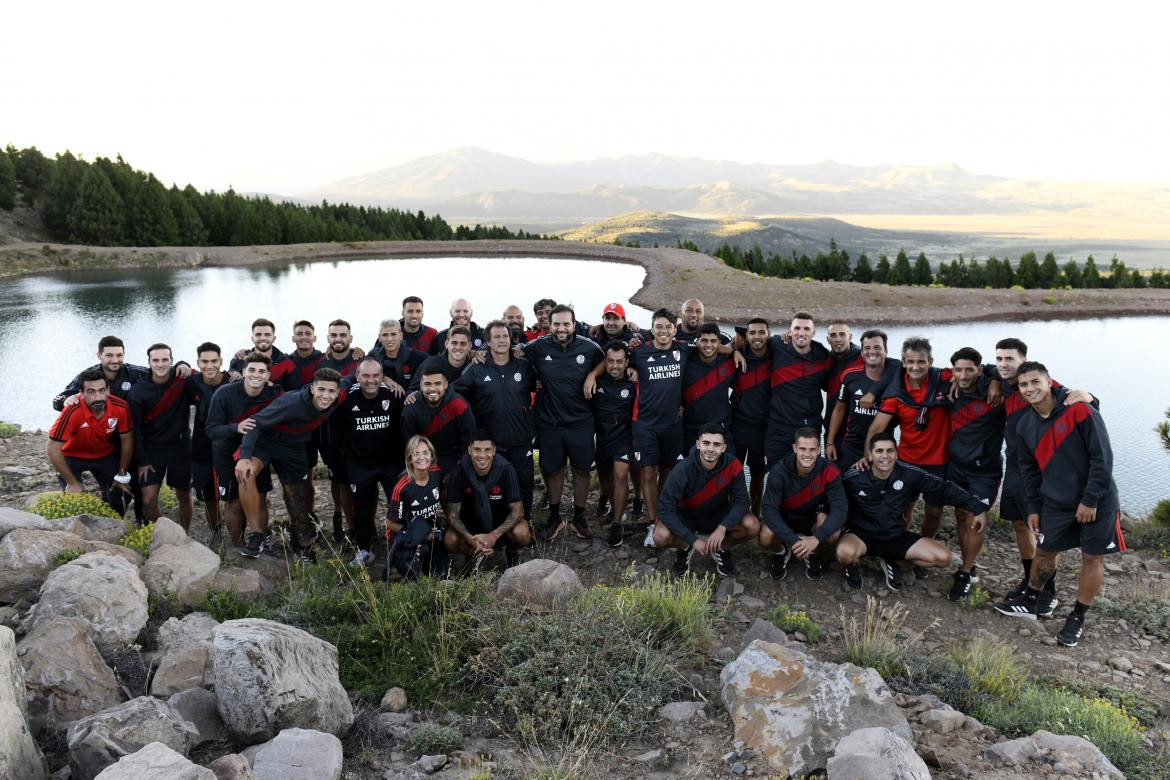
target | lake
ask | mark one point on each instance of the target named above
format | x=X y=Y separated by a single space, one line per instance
x=53 y=323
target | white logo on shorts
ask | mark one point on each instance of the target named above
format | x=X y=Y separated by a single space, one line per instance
x=637 y=456
x=353 y=487
x=223 y=490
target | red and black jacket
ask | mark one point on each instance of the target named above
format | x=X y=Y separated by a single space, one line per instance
x=1065 y=459
x=751 y=392
x=705 y=390
x=793 y=501
x=449 y=426
x=161 y=415
x=288 y=421
x=976 y=432
x=697 y=499
x=292 y=371
x=231 y=405
x=797 y=381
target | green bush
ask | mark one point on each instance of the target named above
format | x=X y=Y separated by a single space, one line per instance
x=993 y=666
x=1146 y=711
x=8 y=430
x=977 y=598
x=790 y=620
x=665 y=610
x=226 y=605
x=1110 y=728
x=53 y=506
x=63 y=557
x=1160 y=516
x=1146 y=611
x=940 y=675
x=431 y=738
x=872 y=639
x=139 y=539
x=168 y=502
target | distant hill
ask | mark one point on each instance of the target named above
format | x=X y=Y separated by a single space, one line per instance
x=784 y=235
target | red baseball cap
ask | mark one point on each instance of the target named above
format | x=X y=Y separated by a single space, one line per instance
x=614 y=308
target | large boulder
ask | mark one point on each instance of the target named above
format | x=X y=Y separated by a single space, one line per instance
x=99 y=740
x=167 y=531
x=186 y=570
x=184 y=654
x=793 y=709
x=95 y=527
x=155 y=762
x=876 y=754
x=245 y=582
x=19 y=754
x=539 y=584
x=269 y=676
x=65 y=675
x=11 y=519
x=103 y=591
x=26 y=558
x=299 y=754
x=197 y=706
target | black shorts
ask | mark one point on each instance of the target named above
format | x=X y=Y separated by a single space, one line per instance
x=363 y=475
x=847 y=456
x=174 y=465
x=290 y=462
x=225 y=477
x=932 y=497
x=1060 y=531
x=657 y=448
x=558 y=443
x=893 y=548
x=1012 y=509
x=984 y=487
x=749 y=445
x=691 y=436
x=203 y=479
x=103 y=471
x=620 y=450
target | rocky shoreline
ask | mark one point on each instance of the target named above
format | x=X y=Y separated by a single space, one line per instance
x=672 y=275
x=183 y=687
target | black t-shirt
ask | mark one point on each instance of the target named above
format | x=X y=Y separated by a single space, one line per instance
x=366 y=429
x=613 y=410
x=416 y=507
x=502 y=491
x=660 y=384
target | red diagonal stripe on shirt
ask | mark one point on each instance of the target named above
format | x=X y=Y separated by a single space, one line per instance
x=747 y=381
x=708 y=382
x=814 y=488
x=450 y=412
x=1058 y=432
x=969 y=414
x=169 y=396
x=799 y=370
x=714 y=486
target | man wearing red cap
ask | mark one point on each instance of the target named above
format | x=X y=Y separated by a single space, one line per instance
x=614 y=326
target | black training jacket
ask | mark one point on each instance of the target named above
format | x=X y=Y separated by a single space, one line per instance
x=792 y=500
x=694 y=497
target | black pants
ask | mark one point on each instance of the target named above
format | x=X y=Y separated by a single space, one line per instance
x=364 y=481
x=103 y=471
x=520 y=457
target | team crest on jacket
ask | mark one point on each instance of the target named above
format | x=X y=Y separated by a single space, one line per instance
x=112 y=422
x=126 y=386
x=898 y=484
x=435 y=492
x=677 y=355
x=385 y=404
x=516 y=376
x=581 y=359
x=625 y=392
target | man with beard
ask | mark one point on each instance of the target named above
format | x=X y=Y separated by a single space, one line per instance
x=230 y=415
x=460 y=317
x=279 y=439
x=846 y=356
x=691 y=321
x=800 y=372
x=751 y=394
x=207 y=381
x=613 y=408
x=441 y=415
x=83 y=439
x=340 y=357
x=707 y=378
x=849 y=424
x=399 y=362
x=514 y=319
x=615 y=327
x=263 y=343
x=484 y=505
x=450 y=362
x=705 y=495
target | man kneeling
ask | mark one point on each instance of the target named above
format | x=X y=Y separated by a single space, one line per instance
x=485 y=505
x=878 y=497
x=705 y=494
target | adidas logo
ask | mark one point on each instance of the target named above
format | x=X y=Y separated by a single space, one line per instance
x=355 y=409
x=650 y=359
x=414 y=503
x=487 y=379
x=861 y=492
x=548 y=357
x=858 y=392
x=1111 y=546
x=85 y=425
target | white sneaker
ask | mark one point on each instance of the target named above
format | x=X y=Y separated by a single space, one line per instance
x=361 y=559
x=649 y=540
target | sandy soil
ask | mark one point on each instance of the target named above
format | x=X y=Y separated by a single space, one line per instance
x=672 y=275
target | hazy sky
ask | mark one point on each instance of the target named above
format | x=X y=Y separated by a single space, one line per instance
x=282 y=97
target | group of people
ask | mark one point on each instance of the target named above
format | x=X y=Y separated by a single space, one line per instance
x=715 y=438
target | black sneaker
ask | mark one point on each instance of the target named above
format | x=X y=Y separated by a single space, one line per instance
x=724 y=564
x=960 y=587
x=253 y=540
x=1070 y=634
x=268 y=545
x=338 y=531
x=1046 y=604
x=305 y=556
x=814 y=568
x=778 y=565
x=1024 y=606
x=893 y=575
x=637 y=508
x=604 y=508
x=554 y=527
x=852 y=574
x=511 y=556
x=974 y=574
x=1018 y=591
x=581 y=527
x=682 y=562
x=614 y=536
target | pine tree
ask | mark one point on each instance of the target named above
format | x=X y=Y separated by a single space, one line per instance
x=34 y=171
x=7 y=182
x=1028 y=271
x=922 y=273
x=862 y=272
x=96 y=214
x=1050 y=276
x=1090 y=278
x=68 y=172
x=977 y=275
x=190 y=226
x=150 y=221
x=1072 y=274
x=881 y=274
x=901 y=272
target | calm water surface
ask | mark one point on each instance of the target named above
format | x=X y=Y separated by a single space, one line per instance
x=52 y=325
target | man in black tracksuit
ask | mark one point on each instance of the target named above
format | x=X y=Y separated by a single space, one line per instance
x=804 y=507
x=460 y=318
x=279 y=438
x=500 y=392
x=800 y=373
x=367 y=448
x=483 y=498
x=751 y=396
x=451 y=361
x=705 y=494
x=207 y=380
x=878 y=497
x=1066 y=465
x=229 y=416
x=707 y=378
x=613 y=409
x=161 y=406
x=443 y=416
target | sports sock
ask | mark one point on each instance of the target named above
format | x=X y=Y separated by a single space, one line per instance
x=1027 y=564
x=578 y=513
x=554 y=512
x=1079 y=609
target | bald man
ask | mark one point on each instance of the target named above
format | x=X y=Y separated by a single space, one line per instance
x=460 y=312
x=691 y=322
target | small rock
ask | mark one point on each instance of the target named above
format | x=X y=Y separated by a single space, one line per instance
x=155 y=760
x=539 y=584
x=582 y=547
x=233 y=766
x=680 y=710
x=876 y=754
x=765 y=630
x=738 y=768
x=1121 y=663
x=751 y=602
x=432 y=764
x=654 y=759
x=1013 y=751
x=943 y=721
x=1114 y=568
x=197 y=706
x=299 y=754
x=1162 y=666
x=394 y=700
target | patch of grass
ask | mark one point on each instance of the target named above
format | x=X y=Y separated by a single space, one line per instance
x=8 y=430
x=871 y=640
x=226 y=605
x=432 y=738
x=63 y=557
x=977 y=598
x=55 y=505
x=665 y=610
x=139 y=539
x=940 y=675
x=1146 y=711
x=993 y=666
x=168 y=502
x=1160 y=516
x=787 y=619
x=1147 y=607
